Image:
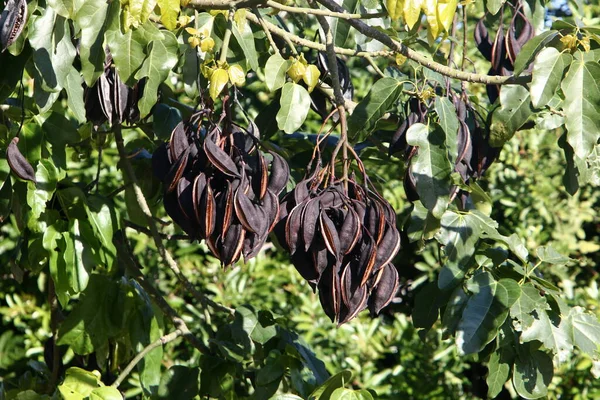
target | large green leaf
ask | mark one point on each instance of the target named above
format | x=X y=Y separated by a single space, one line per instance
x=349 y=394
x=162 y=57
x=325 y=391
x=498 y=374
x=54 y=243
x=90 y=323
x=547 y=74
x=275 y=71
x=459 y=234
x=169 y=12
x=106 y=393
x=245 y=38
x=454 y=308
x=340 y=27
x=552 y=331
x=101 y=216
x=532 y=373
x=530 y=302
x=449 y=122
x=39 y=194
x=514 y=111
x=530 y=50
x=295 y=103
x=79 y=383
x=64 y=8
x=251 y=325
x=493 y=6
x=74 y=89
x=91 y=18
x=582 y=105
x=78 y=255
x=381 y=99
x=430 y=167
x=584 y=330
x=485 y=311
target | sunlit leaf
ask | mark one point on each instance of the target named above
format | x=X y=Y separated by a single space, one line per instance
x=295 y=103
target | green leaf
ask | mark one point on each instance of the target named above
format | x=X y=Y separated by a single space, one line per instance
x=494 y=6
x=582 y=106
x=532 y=374
x=136 y=12
x=422 y=225
x=106 y=393
x=79 y=383
x=459 y=234
x=430 y=167
x=251 y=325
x=449 y=122
x=275 y=71
x=349 y=394
x=530 y=50
x=340 y=27
x=127 y=49
x=381 y=99
x=53 y=242
x=78 y=257
x=169 y=12
x=164 y=120
x=90 y=324
x=64 y=8
x=58 y=129
x=325 y=391
x=498 y=374
x=162 y=57
x=179 y=382
x=514 y=111
x=551 y=331
x=547 y=74
x=101 y=216
x=295 y=103
x=39 y=194
x=428 y=301
x=584 y=330
x=245 y=39
x=485 y=311
x=92 y=18
x=145 y=328
x=529 y=302
x=454 y=308
x=74 y=90
x=549 y=255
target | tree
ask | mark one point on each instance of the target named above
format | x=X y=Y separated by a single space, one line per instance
x=275 y=133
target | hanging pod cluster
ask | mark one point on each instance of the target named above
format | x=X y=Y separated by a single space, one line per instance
x=110 y=100
x=502 y=51
x=221 y=188
x=12 y=22
x=474 y=152
x=342 y=239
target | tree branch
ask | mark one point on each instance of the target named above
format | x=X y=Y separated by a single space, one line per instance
x=224 y=4
x=424 y=61
x=158 y=342
x=312 y=45
x=162 y=251
x=326 y=13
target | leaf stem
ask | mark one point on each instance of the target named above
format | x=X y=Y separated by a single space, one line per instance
x=157 y=343
x=226 y=38
x=266 y=30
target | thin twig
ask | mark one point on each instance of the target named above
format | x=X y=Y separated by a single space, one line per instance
x=157 y=343
x=266 y=30
x=162 y=251
x=313 y=45
x=326 y=13
x=147 y=231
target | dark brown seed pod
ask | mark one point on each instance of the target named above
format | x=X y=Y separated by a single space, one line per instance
x=384 y=289
x=18 y=163
x=220 y=159
x=12 y=22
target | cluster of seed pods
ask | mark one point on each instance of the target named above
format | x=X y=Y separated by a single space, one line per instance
x=342 y=238
x=221 y=188
x=474 y=153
